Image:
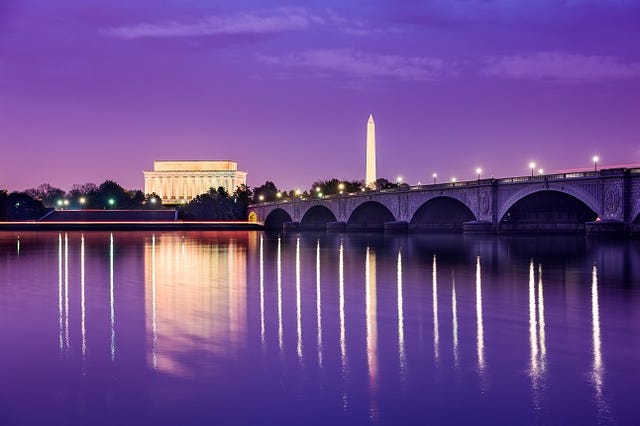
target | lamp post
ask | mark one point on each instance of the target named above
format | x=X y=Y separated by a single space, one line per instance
x=435 y=176
x=595 y=163
x=261 y=198
x=478 y=172
x=341 y=187
x=540 y=171
x=532 y=166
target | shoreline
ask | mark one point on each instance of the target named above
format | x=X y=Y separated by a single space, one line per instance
x=132 y=226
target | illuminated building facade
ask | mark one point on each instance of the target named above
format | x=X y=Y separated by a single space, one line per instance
x=180 y=181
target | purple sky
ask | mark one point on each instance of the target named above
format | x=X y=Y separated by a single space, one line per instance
x=91 y=90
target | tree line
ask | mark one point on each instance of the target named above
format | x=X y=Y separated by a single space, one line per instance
x=215 y=204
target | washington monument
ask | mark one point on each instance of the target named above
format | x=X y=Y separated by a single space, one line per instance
x=370 y=180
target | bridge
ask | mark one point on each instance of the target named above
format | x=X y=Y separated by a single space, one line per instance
x=602 y=201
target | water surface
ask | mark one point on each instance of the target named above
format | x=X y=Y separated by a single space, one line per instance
x=253 y=328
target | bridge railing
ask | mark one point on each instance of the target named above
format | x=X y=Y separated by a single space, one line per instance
x=457 y=184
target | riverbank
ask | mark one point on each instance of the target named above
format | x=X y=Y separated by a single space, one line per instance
x=132 y=226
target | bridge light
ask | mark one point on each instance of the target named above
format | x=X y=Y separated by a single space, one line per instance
x=317 y=189
x=320 y=194
x=82 y=200
x=453 y=180
x=341 y=186
x=435 y=176
x=261 y=197
x=540 y=171
x=298 y=192
x=478 y=172
x=532 y=166
x=59 y=202
x=65 y=202
x=595 y=162
x=278 y=194
x=111 y=201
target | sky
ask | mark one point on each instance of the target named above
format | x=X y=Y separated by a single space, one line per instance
x=95 y=90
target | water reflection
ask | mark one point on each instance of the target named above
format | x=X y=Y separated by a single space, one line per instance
x=543 y=338
x=60 y=293
x=371 y=316
x=298 y=301
x=436 y=328
x=479 y=319
x=343 y=341
x=400 y=316
x=196 y=299
x=111 y=300
x=318 y=303
x=154 y=311
x=66 y=291
x=262 y=289
x=83 y=325
x=185 y=331
x=454 y=315
x=597 y=370
x=279 y=283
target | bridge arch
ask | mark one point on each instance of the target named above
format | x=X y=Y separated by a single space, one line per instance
x=276 y=218
x=548 y=209
x=370 y=215
x=441 y=213
x=317 y=217
x=576 y=193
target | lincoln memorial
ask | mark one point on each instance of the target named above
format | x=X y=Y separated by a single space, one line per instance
x=180 y=181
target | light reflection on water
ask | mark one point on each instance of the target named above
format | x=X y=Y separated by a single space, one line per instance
x=226 y=315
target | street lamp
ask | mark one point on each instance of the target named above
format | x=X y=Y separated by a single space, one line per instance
x=65 y=202
x=261 y=197
x=111 y=201
x=540 y=171
x=82 y=201
x=532 y=166
x=478 y=172
x=279 y=194
x=341 y=187
x=435 y=176
x=595 y=163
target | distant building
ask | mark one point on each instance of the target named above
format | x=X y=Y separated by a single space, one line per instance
x=180 y=181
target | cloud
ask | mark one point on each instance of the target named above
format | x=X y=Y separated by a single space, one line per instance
x=561 y=67
x=241 y=23
x=362 y=64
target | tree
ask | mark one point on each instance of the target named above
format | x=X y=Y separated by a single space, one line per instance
x=46 y=193
x=382 y=183
x=334 y=186
x=268 y=191
x=21 y=206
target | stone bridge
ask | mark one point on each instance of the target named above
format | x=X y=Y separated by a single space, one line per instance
x=606 y=200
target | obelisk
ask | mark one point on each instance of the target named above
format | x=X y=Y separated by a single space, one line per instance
x=370 y=180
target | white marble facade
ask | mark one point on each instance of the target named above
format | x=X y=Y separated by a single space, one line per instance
x=180 y=181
